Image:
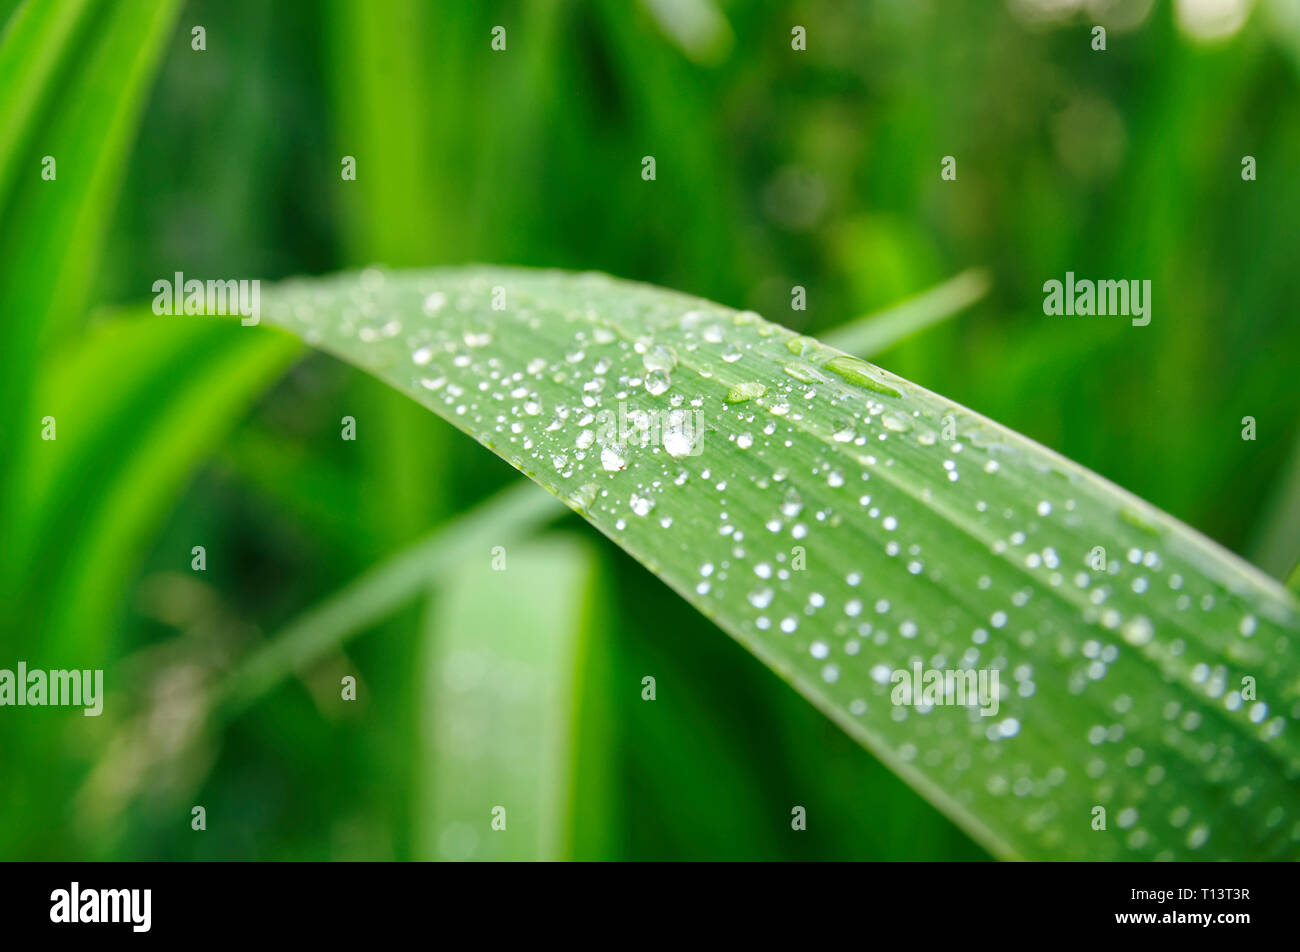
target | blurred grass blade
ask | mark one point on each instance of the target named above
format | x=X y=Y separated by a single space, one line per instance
x=308 y=487
x=384 y=116
x=134 y=761
x=697 y=27
x=505 y=656
x=130 y=432
x=73 y=78
x=510 y=515
x=137 y=405
x=378 y=80
x=843 y=524
x=1275 y=547
x=33 y=48
x=875 y=333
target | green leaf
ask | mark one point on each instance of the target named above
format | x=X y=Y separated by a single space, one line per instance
x=697 y=27
x=130 y=432
x=303 y=485
x=508 y=646
x=844 y=524
x=384 y=118
x=73 y=78
x=1276 y=544
x=511 y=514
x=34 y=46
x=134 y=762
x=137 y=405
x=877 y=332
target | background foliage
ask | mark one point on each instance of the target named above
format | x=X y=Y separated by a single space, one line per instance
x=775 y=168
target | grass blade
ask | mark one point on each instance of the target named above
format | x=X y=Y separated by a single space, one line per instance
x=33 y=48
x=133 y=762
x=877 y=332
x=506 y=652
x=510 y=515
x=1276 y=544
x=129 y=435
x=843 y=524
x=131 y=430
x=73 y=78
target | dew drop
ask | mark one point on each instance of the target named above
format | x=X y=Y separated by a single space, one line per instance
x=657 y=382
x=612 y=458
x=742 y=392
x=859 y=372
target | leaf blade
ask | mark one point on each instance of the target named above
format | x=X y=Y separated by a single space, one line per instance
x=507 y=649
x=966 y=553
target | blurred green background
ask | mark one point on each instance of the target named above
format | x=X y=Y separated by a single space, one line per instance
x=775 y=168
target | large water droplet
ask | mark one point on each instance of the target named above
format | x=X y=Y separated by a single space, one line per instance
x=751 y=390
x=613 y=459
